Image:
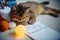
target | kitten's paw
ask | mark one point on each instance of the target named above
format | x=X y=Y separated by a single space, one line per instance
x=32 y=19
x=31 y=22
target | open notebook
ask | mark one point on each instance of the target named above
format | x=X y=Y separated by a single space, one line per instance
x=39 y=31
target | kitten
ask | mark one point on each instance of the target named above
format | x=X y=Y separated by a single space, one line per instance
x=21 y=15
x=26 y=13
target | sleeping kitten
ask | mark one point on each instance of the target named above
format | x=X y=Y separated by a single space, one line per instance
x=26 y=13
x=21 y=15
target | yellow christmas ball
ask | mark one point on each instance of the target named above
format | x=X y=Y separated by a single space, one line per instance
x=20 y=31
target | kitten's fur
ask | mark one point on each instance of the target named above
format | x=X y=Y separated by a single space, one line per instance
x=26 y=13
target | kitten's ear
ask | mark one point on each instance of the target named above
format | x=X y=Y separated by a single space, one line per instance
x=13 y=8
x=27 y=9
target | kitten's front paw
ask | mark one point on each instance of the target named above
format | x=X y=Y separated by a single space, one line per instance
x=31 y=22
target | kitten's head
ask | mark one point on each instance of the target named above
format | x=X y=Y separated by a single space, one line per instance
x=20 y=14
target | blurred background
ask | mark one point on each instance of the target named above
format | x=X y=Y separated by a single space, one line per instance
x=51 y=22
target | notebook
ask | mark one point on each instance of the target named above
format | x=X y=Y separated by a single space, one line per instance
x=39 y=31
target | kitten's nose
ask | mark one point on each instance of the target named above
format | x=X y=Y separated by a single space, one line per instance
x=20 y=18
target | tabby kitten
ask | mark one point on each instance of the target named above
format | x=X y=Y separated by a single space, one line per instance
x=26 y=13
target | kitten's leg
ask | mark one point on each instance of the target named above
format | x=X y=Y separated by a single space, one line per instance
x=32 y=19
x=51 y=11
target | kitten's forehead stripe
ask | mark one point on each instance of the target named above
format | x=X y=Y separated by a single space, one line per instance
x=20 y=10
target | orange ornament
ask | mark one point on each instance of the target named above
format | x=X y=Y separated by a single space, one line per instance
x=4 y=25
